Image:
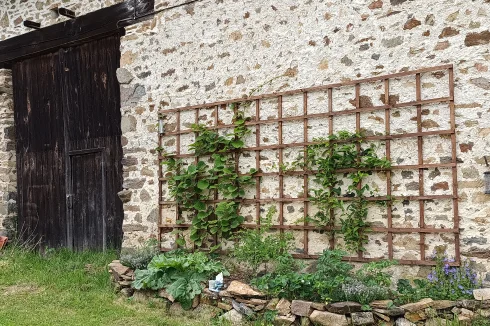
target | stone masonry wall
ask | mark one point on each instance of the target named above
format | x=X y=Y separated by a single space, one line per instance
x=218 y=50
x=8 y=177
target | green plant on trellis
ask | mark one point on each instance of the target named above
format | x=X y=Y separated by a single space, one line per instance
x=343 y=150
x=193 y=185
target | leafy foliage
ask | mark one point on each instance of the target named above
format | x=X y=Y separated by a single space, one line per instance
x=179 y=273
x=444 y=282
x=193 y=185
x=141 y=257
x=257 y=247
x=329 y=155
x=333 y=280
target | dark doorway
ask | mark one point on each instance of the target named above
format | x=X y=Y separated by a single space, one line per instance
x=68 y=129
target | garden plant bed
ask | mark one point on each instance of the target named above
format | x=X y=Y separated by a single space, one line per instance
x=239 y=303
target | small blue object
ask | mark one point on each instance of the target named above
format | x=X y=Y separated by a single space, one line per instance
x=217 y=286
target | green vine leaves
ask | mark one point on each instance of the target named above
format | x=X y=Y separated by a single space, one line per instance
x=195 y=185
x=329 y=155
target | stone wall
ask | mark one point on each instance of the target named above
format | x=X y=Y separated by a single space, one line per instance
x=8 y=177
x=218 y=50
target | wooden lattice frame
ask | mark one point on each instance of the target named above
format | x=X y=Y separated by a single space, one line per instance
x=422 y=230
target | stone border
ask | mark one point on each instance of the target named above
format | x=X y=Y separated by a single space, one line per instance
x=239 y=301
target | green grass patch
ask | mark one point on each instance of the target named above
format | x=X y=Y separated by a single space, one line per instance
x=67 y=288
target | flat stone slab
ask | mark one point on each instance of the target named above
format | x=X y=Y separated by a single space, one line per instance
x=243 y=290
x=325 y=318
x=481 y=294
x=393 y=312
x=344 y=307
x=422 y=304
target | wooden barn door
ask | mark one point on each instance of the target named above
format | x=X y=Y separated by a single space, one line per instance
x=68 y=125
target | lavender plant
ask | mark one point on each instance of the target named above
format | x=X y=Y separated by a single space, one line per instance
x=444 y=282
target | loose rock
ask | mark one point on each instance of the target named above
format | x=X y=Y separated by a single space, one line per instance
x=326 y=318
x=344 y=307
x=403 y=322
x=481 y=294
x=242 y=289
x=233 y=316
x=362 y=318
x=283 y=307
x=301 y=308
x=284 y=320
x=422 y=304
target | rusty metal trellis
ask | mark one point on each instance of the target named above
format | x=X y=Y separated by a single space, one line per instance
x=329 y=113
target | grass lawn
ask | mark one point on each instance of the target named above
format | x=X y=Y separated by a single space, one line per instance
x=65 y=288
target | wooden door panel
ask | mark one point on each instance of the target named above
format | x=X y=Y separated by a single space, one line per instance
x=93 y=121
x=87 y=203
x=67 y=105
x=38 y=115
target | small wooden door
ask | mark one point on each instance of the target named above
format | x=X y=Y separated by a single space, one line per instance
x=68 y=129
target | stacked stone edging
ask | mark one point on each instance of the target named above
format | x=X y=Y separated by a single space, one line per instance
x=238 y=300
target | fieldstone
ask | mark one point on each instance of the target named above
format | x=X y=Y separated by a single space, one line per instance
x=283 y=307
x=467 y=313
x=436 y=322
x=125 y=195
x=473 y=304
x=127 y=292
x=412 y=23
x=284 y=320
x=224 y=306
x=318 y=306
x=118 y=268
x=443 y=304
x=305 y=321
x=242 y=308
x=196 y=301
x=234 y=317
x=381 y=316
x=392 y=312
x=474 y=39
x=326 y=318
x=422 y=304
x=272 y=304
x=223 y=293
x=415 y=316
x=362 y=318
x=252 y=301
x=258 y=308
x=393 y=42
x=384 y=304
x=242 y=289
x=464 y=321
x=128 y=124
x=344 y=307
x=448 y=32
x=403 y=322
x=301 y=308
x=124 y=76
x=481 y=82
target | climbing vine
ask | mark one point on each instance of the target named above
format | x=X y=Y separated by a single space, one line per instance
x=327 y=156
x=194 y=185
